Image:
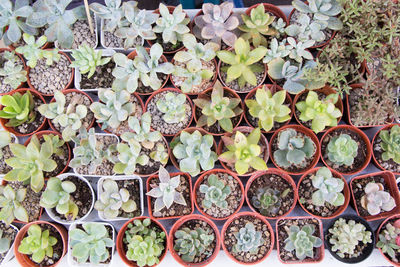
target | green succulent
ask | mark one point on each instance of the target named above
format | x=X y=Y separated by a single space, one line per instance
x=244 y=151
x=376 y=199
x=126 y=74
x=302 y=241
x=173 y=107
x=387 y=241
x=4 y=243
x=248 y=239
x=391 y=144
x=112 y=14
x=268 y=200
x=5 y=140
x=13 y=71
x=18 y=108
x=129 y=156
x=87 y=59
x=342 y=150
x=192 y=77
x=329 y=188
x=11 y=204
x=215 y=192
x=160 y=154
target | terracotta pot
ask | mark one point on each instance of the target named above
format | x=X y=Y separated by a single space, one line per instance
x=23 y=62
x=243 y=129
x=363 y=136
x=327 y=90
x=200 y=180
x=395 y=216
x=237 y=216
x=176 y=227
x=273 y=88
x=120 y=243
x=148 y=188
x=71 y=79
x=376 y=136
x=24 y=259
x=3 y=122
x=207 y=95
x=346 y=193
x=281 y=174
x=276 y=11
x=391 y=186
x=305 y=131
x=173 y=90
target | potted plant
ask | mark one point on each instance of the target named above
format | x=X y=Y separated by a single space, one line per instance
x=194 y=249
x=294 y=149
x=345 y=149
x=169 y=195
x=247 y=238
x=218 y=194
x=349 y=239
x=186 y=153
x=271 y=193
x=172 y=111
x=244 y=151
x=142 y=232
x=299 y=240
x=218 y=110
x=7 y=237
x=68 y=198
x=12 y=71
x=385 y=150
x=100 y=235
x=387 y=239
x=375 y=195
x=119 y=198
x=6 y=138
x=322 y=193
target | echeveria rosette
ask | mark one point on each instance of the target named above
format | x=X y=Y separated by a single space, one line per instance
x=329 y=188
x=248 y=239
x=376 y=199
x=342 y=150
x=391 y=144
x=215 y=192
x=112 y=13
x=11 y=204
x=307 y=30
x=268 y=200
x=173 y=107
x=126 y=74
x=277 y=50
x=302 y=241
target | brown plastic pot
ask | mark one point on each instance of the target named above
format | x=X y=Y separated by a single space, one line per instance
x=23 y=62
x=207 y=95
x=281 y=174
x=150 y=206
x=177 y=226
x=200 y=180
x=305 y=131
x=346 y=193
x=276 y=11
x=273 y=88
x=364 y=138
x=388 y=127
x=120 y=242
x=71 y=79
x=391 y=185
x=252 y=214
x=3 y=122
x=172 y=90
x=395 y=216
x=243 y=129
x=24 y=259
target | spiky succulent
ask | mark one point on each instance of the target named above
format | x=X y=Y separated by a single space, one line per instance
x=376 y=200
x=4 y=243
x=306 y=29
x=268 y=200
x=218 y=109
x=215 y=192
x=173 y=107
x=12 y=71
x=388 y=240
x=391 y=144
x=244 y=151
x=342 y=150
x=87 y=59
x=11 y=204
x=277 y=50
x=5 y=140
x=18 y=109
x=248 y=239
x=302 y=241
x=129 y=156
x=112 y=14
x=329 y=188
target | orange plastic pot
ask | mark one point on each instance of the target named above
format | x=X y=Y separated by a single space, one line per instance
x=120 y=242
x=346 y=193
x=23 y=62
x=173 y=90
x=177 y=226
x=388 y=127
x=391 y=185
x=200 y=180
x=305 y=131
x=150 y=206
x=3 y=121
x=241 y=214
x=395 y=216
x=363 y=136
x=281 y=174
x=23 y=259
x=276 y=11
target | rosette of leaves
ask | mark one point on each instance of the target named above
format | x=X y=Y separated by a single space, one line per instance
x=173 y=107
x=11 y=204
x=215 y=192
x=387 y=240
x=160 y=154
x=277 y=50
x=391 y=144
x=268 y=200
x=126 y=74
x=112 y=14
x=87 y=59
x=306 y=29
x=129 y=156
x=342 y=150
x=12 y=71
x=376 y=199
x=302 y=241
x=18 y=109
x=248 y=239
x=329 y=188
x=298 y=50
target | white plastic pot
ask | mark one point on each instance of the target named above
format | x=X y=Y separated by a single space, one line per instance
x=10 y=252
x=102 y=40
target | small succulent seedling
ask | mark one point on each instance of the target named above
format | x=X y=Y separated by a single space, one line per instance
x=244 y=151
x=129 y=156
x=90 y=243
x=388 y=240
x=376 y=200
x=302 y=241
x=277 y=50
x=192 y=77
x=4 y=243
x=12 y=71
x=215 y=192
x=173 y=107
x=248 y=239
x=160 y=154
x=391 y=144
x=342 y=150
x=114 y=200
x=268 y=200
x=18 y=109
x=218 y=109
x=279 y=25
x=11 y=205
x=87 y=59
x=5 y=140
x=329 y=188
x=112 y=14
x=298 y=50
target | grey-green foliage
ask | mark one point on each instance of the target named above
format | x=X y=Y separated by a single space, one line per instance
x=112 y=13
x=306 y=29
x=173 y=106
x=279 y=25
x=87 y=59
x=268 y=200
x=342 y=150
x=5 y=140
x=215 y=192
x=126 y=74
x=276 y=50
x=11 y=204
x=329 y=188
x=302 y=241
x=13 y=71
x=248 y=239
x=387 y=240
x=4 y=243
x=129 y=155
x=298 y=50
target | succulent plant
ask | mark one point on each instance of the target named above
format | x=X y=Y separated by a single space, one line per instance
x=268 y=108
x=160 y=154
x=218 y=109
x=302 y=241
x=172 y=26
x=388 y=240
x=242 y=64
x=165 y=192
x=294 y=149
x=268 y=200
x=58 y=195
x=279 y=25
x=329 y=188
x=298 y=50
x=277 y=50
x=391 y=144
x=12 y=71
x=346 y=236
x=192 y=77
x=145 y=242
x=38 y=243
x=114 y=200
x=173 y=107
x=5 y=140
x=342 y=150
x=18 y=108
x=322 y=113
x=244 y=151
x=57 y=19
x=4 y=243
x=87 y=59
x=257 y=25
x=215 y=192
x=129 y=156
x=90 y=243
x=126 y=74
x=376 y=200
x=248 y=239
x=11 y=204
x=191 y=243
x=217 y=23
x=112 y=13
x=194 y=152
x=306 y=29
